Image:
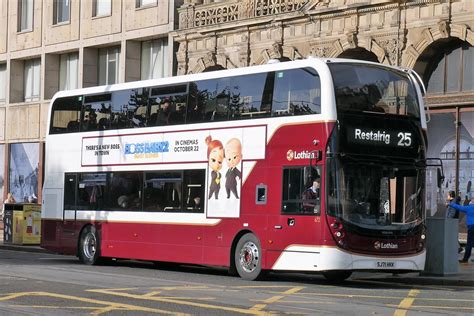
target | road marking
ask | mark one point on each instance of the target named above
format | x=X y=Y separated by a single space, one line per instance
x=11 y=296
x=193 y=288
x=153 y=293
x=403 y=285
x=125 y=289
x=378 y=296
x=439 y=307
x=305 y=302
x=406 y=303
x=191 y=298
x=52 y=307
x=107 y=309
x=276 y=298
x=179 y=302
x=347 y=295
x=258 y=307
x=89 y=300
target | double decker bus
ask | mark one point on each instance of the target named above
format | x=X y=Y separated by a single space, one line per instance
x=313 y=165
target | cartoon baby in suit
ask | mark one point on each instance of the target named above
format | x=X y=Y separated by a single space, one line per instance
x=215 y=156
x=233 y=156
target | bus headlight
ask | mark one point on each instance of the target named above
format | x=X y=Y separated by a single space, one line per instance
x=338 y=232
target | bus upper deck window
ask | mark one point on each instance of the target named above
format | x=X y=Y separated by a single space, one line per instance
x=296 y=92
x=66 y=113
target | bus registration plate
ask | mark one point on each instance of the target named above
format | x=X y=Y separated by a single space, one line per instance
x=385 y=264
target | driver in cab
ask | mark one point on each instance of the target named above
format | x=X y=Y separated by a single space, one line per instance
x=311 y=196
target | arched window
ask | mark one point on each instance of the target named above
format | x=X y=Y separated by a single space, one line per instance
x=360 y=54
x=213 y=68
x=451 y=71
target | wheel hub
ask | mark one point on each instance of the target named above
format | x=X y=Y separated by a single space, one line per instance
x=249 y=257
x=89 y=246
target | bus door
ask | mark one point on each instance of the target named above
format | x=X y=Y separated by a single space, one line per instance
x=298 y=227
x=68 y=226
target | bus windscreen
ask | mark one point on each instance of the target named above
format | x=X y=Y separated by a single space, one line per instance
x=370 y=88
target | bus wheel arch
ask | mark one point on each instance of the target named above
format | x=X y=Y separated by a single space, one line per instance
x=247 y=256
x=88 y=246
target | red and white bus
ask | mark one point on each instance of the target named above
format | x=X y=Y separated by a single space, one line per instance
x=313 y=165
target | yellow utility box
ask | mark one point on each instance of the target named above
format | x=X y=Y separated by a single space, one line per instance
x=27 y=224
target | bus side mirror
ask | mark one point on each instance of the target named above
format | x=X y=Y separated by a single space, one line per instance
x=439 y=177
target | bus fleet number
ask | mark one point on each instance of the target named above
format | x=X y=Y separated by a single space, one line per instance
x=404 y=139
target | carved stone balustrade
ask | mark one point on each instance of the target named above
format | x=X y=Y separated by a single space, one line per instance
x=193 y=14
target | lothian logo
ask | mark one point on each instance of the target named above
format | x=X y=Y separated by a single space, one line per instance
x=380 y=245
x=291 y=154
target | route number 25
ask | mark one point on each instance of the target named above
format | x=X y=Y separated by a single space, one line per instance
x=404 y=139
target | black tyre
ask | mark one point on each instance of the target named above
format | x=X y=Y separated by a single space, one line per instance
x=89 y=246
x=337 y=276
x=248 y=257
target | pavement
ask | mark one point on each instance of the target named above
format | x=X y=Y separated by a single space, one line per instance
x=464 y=276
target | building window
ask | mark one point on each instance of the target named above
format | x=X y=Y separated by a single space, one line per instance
x=108 y=65
x=61 y=11
x=32 y=80
x=442 y=133
x=144 y=3
x=25 y=15
x=3 y=83
x=154 y=61
x=452 y=74
x=68 y=68
x=102 y=7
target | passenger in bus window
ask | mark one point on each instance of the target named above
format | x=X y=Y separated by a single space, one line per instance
x=103 y=124
x=311 y=196
x=178 y=116
x=91 y=123
x=95 y=196
x=196 y=204
x=123 y=201
x=164 y=113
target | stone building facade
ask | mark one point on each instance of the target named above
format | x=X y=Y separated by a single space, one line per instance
x=434 y=37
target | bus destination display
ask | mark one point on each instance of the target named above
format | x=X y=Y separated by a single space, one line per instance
x=380 y=137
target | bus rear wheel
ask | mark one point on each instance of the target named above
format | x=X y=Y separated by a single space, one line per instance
x=337 y=276
x=89 y=246
x=248 y=257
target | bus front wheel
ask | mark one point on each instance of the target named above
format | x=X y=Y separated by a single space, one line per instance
x=89 y=246
x=248 y=257
x=337 y=276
